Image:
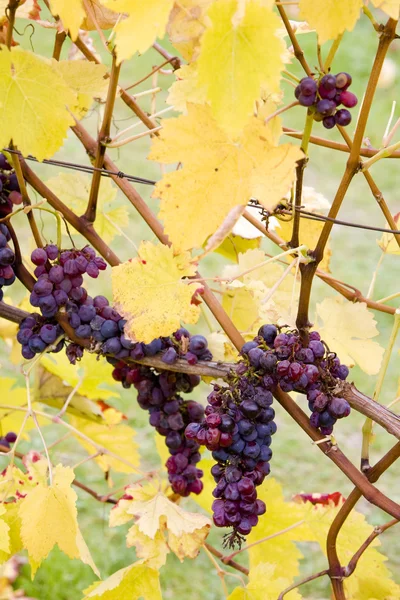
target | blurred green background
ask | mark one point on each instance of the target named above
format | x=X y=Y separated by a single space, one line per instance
x=297 y=464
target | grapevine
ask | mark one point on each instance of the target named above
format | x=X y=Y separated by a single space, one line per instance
x=207 y=324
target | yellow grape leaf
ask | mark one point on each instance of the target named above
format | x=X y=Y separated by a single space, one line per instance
x=74 y=190
x=264 y=585
x=233 y=245
x=113 y=435
x=309 y=231
x=330 y=18
x=48 y=517
x=14 y=396
x=248 y=293
x=216 y=172
x=4 y=532
x=242 y=306
x=186 y=25
x=105 y=18
x=390 y=7
x=240 y=54
x=388 y=242
x=53 y=392
x=372 y=578
x=28 y=9
x=33 y=98
x=145 y=23
x=182 y=532
x=92 y=372
x=86 y=79
x=12 y=535
x=186 y=88
x=138 y=581
x=153 y=551
x=280 y=515
x=347 y=329
x=71 y=13
x=150 y=294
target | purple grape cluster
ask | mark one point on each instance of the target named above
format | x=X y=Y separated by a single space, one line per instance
x=7 y=258
x=10 y=193
x=169 y=413
x=238 y=429
x=325 y=95
x=36 y=333
x=60 y=276
x=312 y=370
x=8 y=439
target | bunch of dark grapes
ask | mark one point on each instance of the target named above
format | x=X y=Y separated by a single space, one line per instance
x=10 y=193
x=325 y=95
x=60 y=276
x=238 y=430
x=7 y=258
x=159 y=393
x=8 y=439
x=36 y=333
x=169 y=413
x=312 y=370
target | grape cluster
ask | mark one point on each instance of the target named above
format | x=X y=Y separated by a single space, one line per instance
x=7 y=258
x=10 y=193
x=312 y=370
x=60 y=276
x=36 y=333
x=8 y=439
x=159 y=393
x=238 y=430
x=169 y=413
x=325 y=95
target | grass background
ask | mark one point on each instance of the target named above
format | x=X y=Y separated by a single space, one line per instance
x=297 y=465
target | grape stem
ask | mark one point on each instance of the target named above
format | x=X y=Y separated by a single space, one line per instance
x=301 y=165
x=103 y=137
x=230 y=563
x=370 y=492
x=298 y=52
x=378 y=530
x=58 y=44
x=302 y=582
x=375 y=191
x=353 y=164
x=25 y=198
x=372 y=475
x=342 y=288
x=368 y=424
x=332 y=53
x=226 y=559
x=383 y=153
x=319 y=141
x=10 y=14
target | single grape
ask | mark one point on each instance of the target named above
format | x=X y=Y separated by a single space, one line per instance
x=7 y=256
x=326 y=107
x=343 y=80
x=51 y=251
x=343 y=117
x=328 y=82
x=329 y=122
x=39 y=256
x=198 y=344
x=307 y=100
x=48 y=333
x=308 y=86
x=348 y=99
